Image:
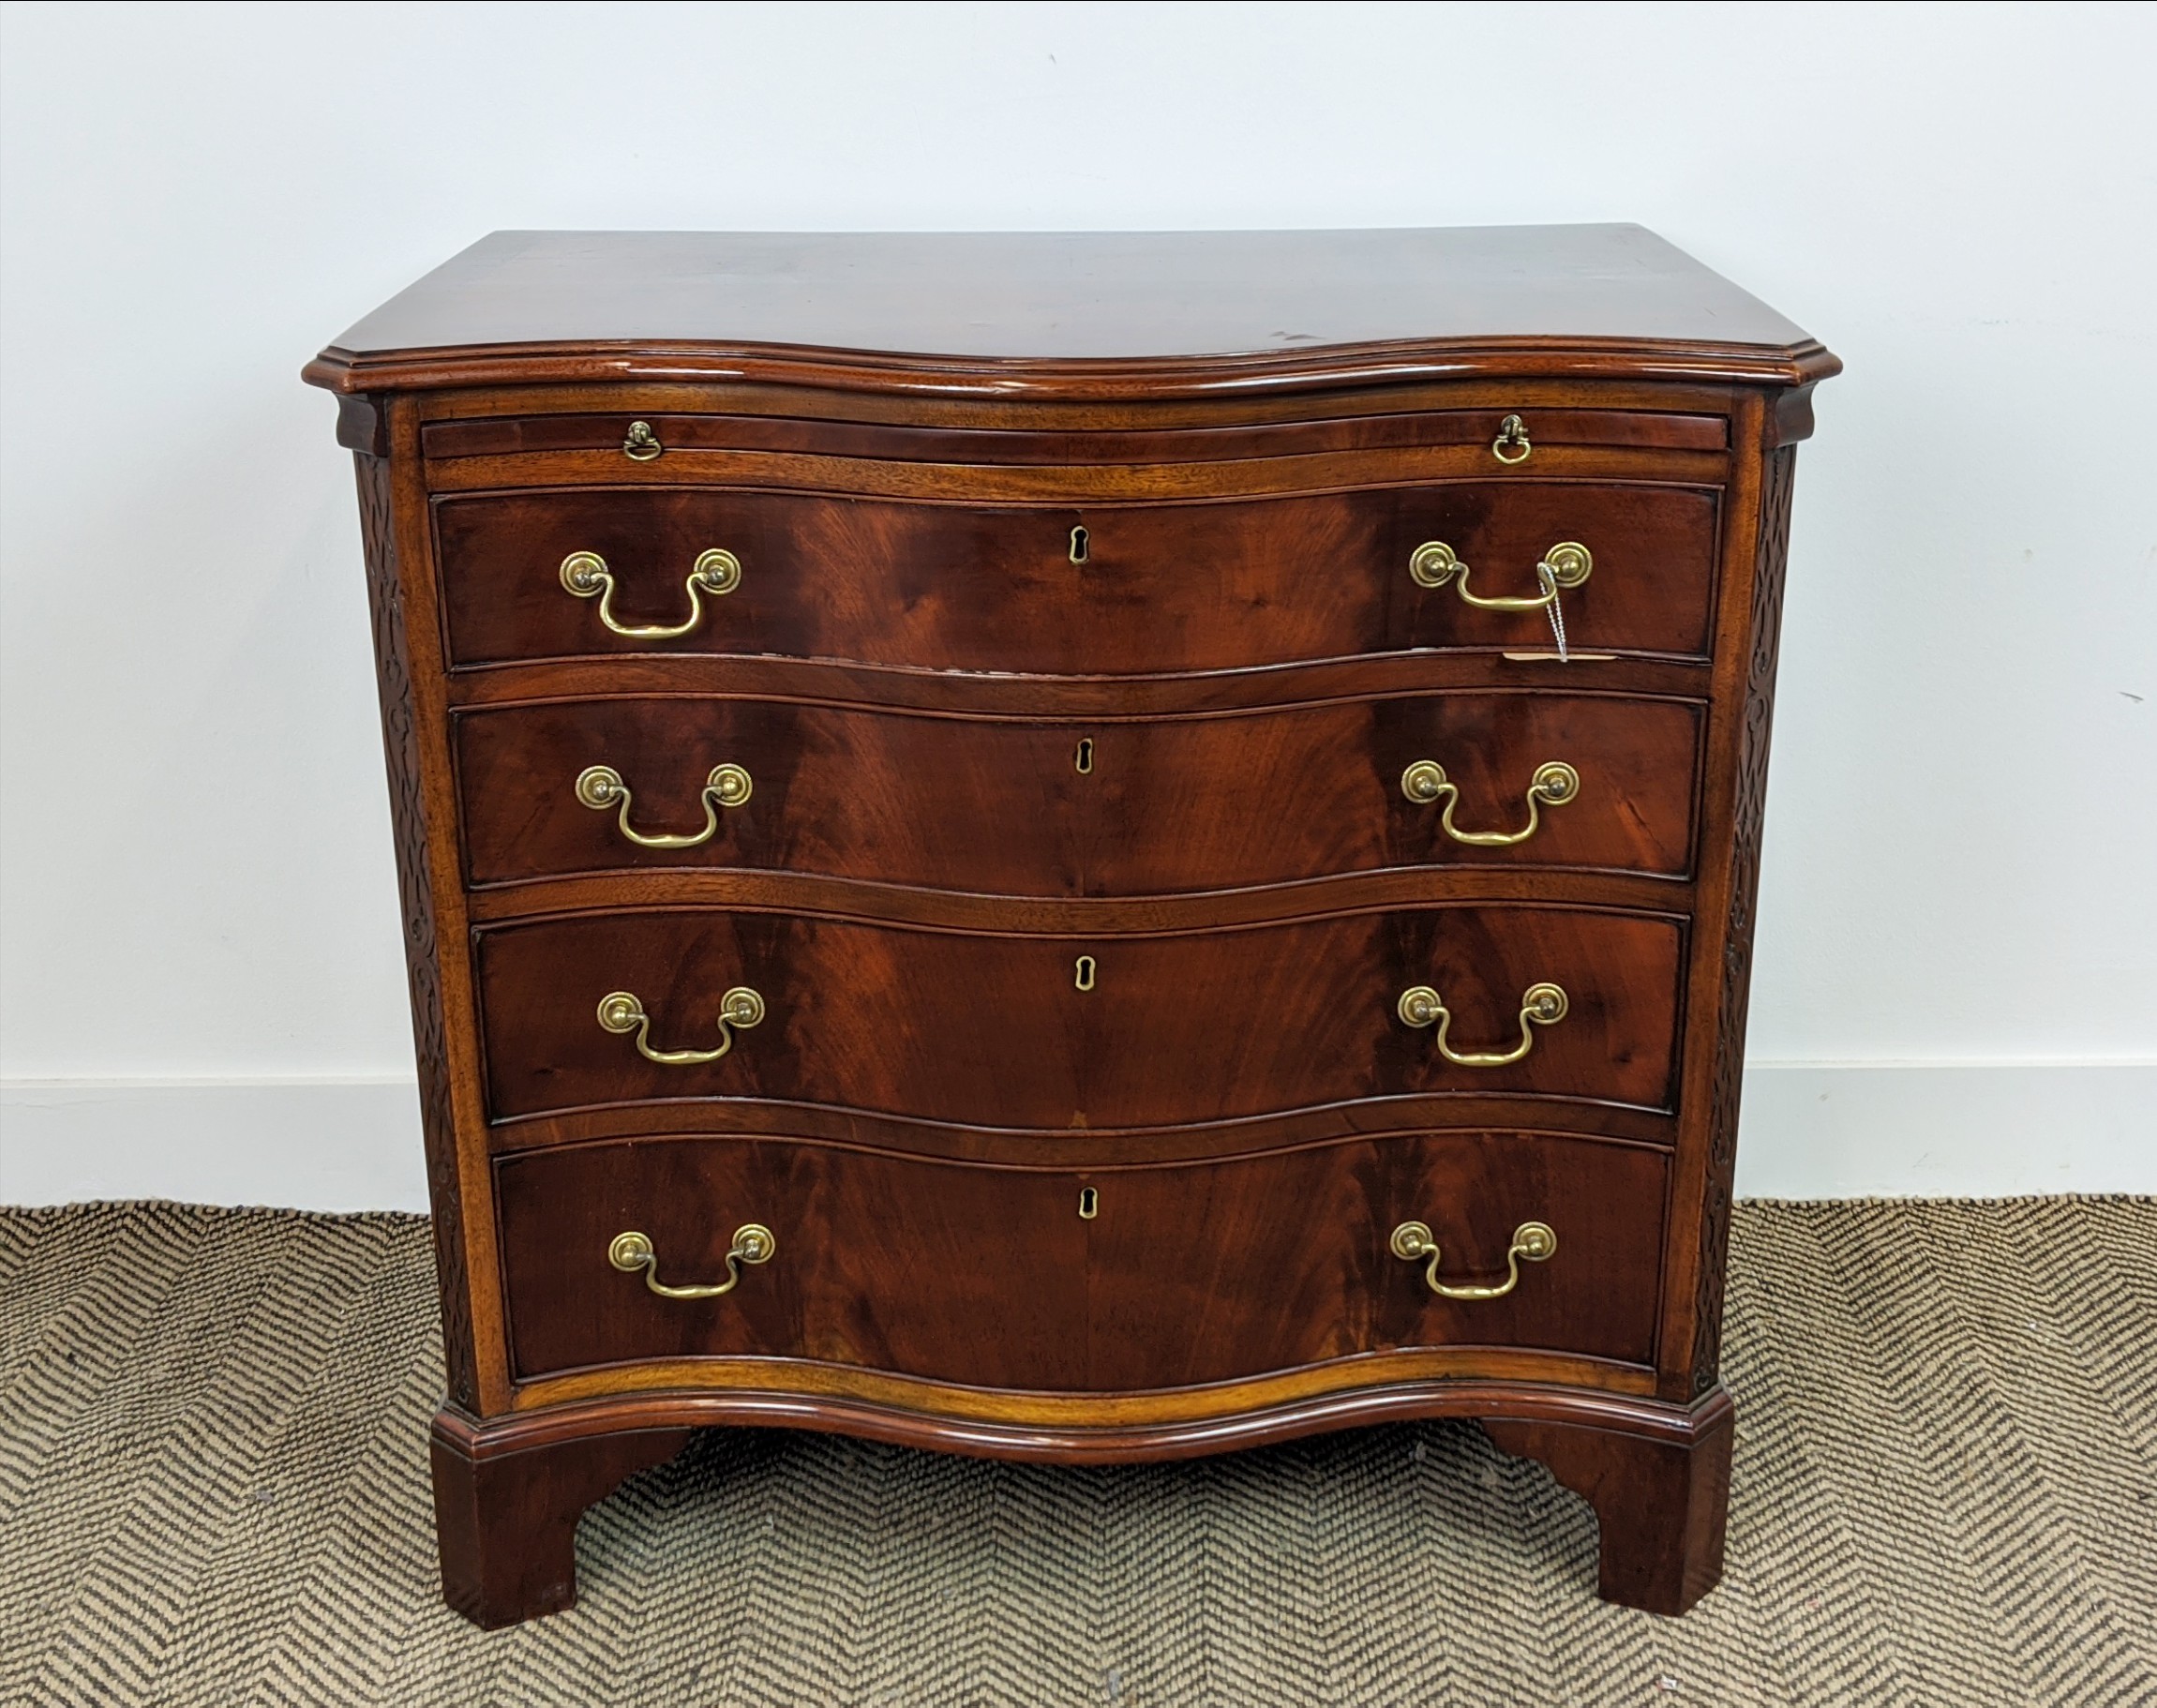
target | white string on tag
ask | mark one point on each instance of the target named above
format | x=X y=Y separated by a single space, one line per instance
x=1553 y=610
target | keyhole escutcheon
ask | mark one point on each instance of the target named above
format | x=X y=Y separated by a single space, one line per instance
x=1084 y=759
x=1086 y=969
x=1090 y=1204
x=1078 y=544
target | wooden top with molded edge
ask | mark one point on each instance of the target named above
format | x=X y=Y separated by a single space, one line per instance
x=1069 y=314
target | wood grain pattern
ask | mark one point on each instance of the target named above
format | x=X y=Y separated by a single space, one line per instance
x=1021 y=482
x=1750 y=811
x=1085 y=383
x=1161 y=1423
x=991 y=1278
x=509 y=1489
x=1208 y=1272
x=1134 y=697
x=998 y=807
x=900 y=457
x=518 y=435
x=1164 y=588
x=1613 y=389
x=1660 y=1504
x=505 y=1511
x=419 y=590
x=994 y=1032
x=1070 y=315
x=1331 y=896
x=415 y=895
x=1090 y=1147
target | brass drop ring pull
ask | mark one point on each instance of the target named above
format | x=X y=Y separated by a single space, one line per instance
x=739 y=1010
x=718 y=572
x=642 y=444
x=1512 y=437
x=754 y=1243
x=1566 y=564
x=1553 y=784
x=1532 y=1241
x=1540 y=1005
x=600 y=786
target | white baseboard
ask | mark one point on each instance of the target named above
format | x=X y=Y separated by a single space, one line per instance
x=1811 y=1129
x=301 y=1143
x=1947 y=1130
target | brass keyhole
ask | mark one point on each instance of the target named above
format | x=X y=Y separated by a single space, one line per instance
x=1084 y=760
x=1078 y=544
x=1085 y=979
x=1090 y=1204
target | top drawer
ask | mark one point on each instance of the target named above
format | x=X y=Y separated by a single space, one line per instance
x=1106 y=589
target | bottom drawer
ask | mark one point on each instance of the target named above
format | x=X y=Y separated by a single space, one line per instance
x=1181 y=1273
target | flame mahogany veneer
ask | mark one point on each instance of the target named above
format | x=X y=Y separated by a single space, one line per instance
x=1078 y=670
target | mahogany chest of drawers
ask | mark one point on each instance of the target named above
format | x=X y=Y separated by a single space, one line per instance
x=1081 y=848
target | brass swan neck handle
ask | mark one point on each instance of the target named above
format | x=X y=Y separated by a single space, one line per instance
x=754 y=1243
x=740 y=1009
x=600 y=786
x=1553 y=784
x=1540 y=1005
x=718 y=572
x=1531 y=1240
x=1569 y=563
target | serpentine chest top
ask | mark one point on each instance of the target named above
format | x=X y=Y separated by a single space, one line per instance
x=1080 y=848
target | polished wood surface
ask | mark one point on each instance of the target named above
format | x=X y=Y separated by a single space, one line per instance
x=507 y=1512
x=1023 y=299
x=994 y=1032
x=1253 y=432
x=996 y=695
x=993 y=1278
x=516 y=435
x=509 y=1489
x=1660 y=1505
x=1592 y=392
x=1003 y=808
x=1164 y=588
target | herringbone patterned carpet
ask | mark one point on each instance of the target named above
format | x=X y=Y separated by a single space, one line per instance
x=212 y=1491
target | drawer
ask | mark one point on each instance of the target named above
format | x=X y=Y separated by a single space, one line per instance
x=1084 y=807
x=1080 y=809
x=526 y=435
x=993 y=1278
x=969 y=1274
x=1204 y=1273
x=996 y=1031
x=1186 y=587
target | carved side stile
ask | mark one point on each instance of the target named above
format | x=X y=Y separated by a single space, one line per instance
x=1752 y=788
x=408 y=817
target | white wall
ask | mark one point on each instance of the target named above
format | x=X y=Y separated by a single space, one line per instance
x=1962 y=201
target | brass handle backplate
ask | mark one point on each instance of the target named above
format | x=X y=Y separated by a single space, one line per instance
x=1532 y=1241
x=1540 y=1005
x=739 y=1010
x=754 y=1243
x=600 y=786
x=718 y=572
x=1569 y=563
x=1553 y=784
